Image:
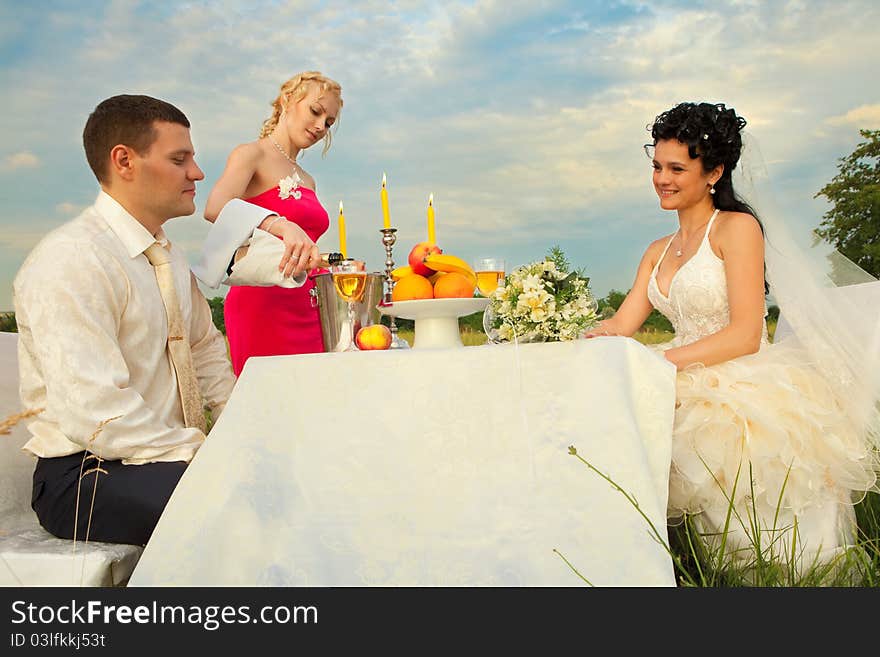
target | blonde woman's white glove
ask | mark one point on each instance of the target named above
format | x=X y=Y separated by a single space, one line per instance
x=256 y=263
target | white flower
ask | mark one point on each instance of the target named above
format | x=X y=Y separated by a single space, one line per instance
x=541 y=301
x=288 y=187
x=532 y=283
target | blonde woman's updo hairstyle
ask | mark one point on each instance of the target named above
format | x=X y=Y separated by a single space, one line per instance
x=294 y=90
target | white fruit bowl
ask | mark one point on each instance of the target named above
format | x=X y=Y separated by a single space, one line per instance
x=436 y=320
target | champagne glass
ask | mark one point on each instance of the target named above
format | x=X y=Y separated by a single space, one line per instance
x=350 y=281
x=490 y=273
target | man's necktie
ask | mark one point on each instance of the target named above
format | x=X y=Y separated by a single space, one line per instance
x=178 y=340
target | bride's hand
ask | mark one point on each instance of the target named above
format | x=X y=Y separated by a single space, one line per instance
x=300 y=252
x=601 y=329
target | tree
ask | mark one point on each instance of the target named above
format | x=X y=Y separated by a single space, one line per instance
x=656 y=321
x=216 y=305
x=8 y=323
x=853 y=224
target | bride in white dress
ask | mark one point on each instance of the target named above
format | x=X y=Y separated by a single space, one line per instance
x=763 y=438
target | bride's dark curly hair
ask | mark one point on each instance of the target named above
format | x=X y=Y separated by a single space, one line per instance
x=712 y=133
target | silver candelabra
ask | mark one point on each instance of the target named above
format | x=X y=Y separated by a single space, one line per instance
x=388 y=240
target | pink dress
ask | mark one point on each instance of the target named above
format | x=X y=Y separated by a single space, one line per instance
x=275 y=321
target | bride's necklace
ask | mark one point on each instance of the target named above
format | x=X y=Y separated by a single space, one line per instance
x=679 y=251
x=283 y=152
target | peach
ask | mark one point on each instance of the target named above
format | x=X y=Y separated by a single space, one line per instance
x=412 y=287
x=375 y=336
x=417 y=255
x=453 y=285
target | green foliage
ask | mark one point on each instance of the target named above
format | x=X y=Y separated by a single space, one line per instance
x=656 y=321
x=399 y=322
x=558 y=257
x=853 y=224
x=566 y=289
x=8 y=323
x=611 y=303
x=216 y=305
x=562 y=264
x=472 y=322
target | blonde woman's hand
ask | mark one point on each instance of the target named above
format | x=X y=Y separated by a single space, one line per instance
x=300 y=252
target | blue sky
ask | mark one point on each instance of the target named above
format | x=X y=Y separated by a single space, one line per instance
x=524 y=119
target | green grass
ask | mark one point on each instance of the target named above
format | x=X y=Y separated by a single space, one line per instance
x=700 y=565
x=653 y=337
x=469 y=338
x=702 y=562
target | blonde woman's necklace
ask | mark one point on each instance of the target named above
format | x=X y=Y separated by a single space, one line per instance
x=283 y=152
x=288 y=186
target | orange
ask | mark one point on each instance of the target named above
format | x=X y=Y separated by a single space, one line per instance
x=412 y=287
x=453 y=285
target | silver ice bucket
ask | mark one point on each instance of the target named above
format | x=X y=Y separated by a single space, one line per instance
x=334 y=311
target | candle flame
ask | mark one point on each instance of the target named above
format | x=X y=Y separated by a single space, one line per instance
x=431 y=199
x=383 y=179
x=340 y=207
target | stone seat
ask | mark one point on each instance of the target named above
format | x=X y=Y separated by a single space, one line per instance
x=29 y=555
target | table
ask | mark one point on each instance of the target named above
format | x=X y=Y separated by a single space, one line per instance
x=445 y=467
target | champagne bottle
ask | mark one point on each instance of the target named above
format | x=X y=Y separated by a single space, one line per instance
x=330 y=259
x=327 y=259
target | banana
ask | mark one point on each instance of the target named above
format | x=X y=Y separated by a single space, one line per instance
x=446 y=263
x=400 y=272
x=433 y=277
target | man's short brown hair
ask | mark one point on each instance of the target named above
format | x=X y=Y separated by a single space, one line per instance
x=125 y=119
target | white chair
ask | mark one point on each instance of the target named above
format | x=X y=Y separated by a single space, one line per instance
x=29 y=555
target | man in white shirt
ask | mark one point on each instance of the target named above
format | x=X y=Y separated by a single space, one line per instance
x=94 y=350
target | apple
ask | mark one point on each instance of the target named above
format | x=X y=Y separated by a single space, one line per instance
x=417 y=256
x=375 y=336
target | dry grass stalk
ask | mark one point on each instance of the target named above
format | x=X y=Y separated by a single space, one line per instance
x=7 y=424
x=82 y=473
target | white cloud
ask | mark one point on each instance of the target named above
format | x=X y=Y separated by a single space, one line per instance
x=525 y=119
x=68 y=208
x=20 y=160
x=865 y=117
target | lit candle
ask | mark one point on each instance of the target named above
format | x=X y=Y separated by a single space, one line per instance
x=431 y=236
x=386 y=218
x=342 y=249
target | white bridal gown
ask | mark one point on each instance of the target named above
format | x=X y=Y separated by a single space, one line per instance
x=770 y=412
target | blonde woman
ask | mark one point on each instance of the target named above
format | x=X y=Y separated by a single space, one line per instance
x=269 y=321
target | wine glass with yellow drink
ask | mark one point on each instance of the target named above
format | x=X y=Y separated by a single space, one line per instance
x=490 y=273
x=350 y=281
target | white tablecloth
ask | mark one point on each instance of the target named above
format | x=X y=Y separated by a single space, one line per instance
x=429 y=468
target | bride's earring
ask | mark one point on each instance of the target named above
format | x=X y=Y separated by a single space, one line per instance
x=712 y=189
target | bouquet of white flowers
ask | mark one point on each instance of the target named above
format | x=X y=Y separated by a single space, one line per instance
x=539 y=302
